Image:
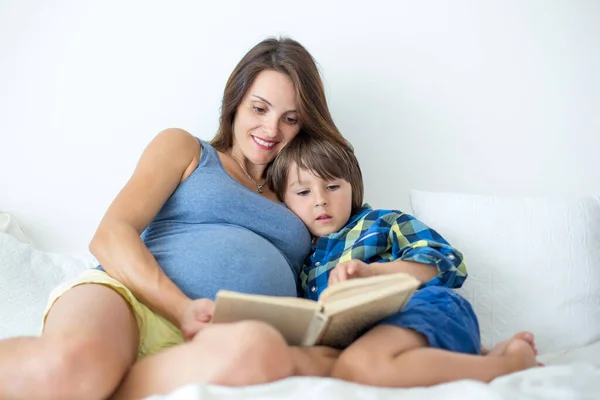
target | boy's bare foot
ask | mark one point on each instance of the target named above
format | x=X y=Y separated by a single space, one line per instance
x=520 y=349
x=500 y=347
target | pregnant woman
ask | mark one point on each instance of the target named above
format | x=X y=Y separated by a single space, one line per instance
x=195 y=217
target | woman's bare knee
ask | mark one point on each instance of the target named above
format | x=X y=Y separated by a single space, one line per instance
x=90 y=341
x=254 y=352
x=71 y=366
x=233 y=354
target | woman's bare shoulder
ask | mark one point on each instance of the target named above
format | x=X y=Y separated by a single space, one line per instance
x=180 y=142
x=177 y=137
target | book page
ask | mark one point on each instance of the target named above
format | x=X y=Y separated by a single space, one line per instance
x=315 y=330
x=373 y=284
x=260 y=298
x=355 y=305
x=291 y=316
x=347 y=324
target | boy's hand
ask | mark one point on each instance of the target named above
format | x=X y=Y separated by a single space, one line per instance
x=349 y=270
x=196 y=316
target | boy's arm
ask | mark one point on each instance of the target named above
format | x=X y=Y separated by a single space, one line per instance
x=358 y=269
x=413 y=241
x=423 y=272
x=409 y=246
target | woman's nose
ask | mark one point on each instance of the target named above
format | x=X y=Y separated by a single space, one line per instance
x=271 y=126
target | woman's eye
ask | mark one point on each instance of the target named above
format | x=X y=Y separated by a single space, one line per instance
x=291 y=120
x=333 y=187
x=259 y=110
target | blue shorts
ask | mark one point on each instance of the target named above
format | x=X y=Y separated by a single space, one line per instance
x=444 y=317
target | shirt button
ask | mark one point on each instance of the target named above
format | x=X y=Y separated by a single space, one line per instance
x=313 y=289
x=451 y=257
x=317 y=264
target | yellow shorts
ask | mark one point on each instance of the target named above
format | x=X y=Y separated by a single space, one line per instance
x=156 y=333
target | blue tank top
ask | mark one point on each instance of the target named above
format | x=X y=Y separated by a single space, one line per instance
x=214 y=233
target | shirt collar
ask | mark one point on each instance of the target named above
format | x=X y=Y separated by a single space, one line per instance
x=366 y=208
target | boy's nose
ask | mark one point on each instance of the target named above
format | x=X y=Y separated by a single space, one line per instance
x=321 y=201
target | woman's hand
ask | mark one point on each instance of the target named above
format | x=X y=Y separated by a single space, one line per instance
x=196 y=315
x=349 y=270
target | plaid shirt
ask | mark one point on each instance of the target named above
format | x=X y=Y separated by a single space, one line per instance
x=382 y=236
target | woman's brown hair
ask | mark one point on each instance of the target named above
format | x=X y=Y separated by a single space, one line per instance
x=289 y=57
x=324 y=158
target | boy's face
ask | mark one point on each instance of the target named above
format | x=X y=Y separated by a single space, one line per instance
x=323 y=206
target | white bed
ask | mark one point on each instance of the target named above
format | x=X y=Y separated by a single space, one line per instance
x=534 y=264
x=573 y=376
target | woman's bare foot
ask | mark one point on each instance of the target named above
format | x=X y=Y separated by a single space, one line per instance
x=520 y=348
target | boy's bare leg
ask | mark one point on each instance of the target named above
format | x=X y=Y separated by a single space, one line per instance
x=235 y=354
x=395 y=357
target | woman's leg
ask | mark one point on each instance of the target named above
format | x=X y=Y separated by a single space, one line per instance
x=226 y=354
x=397 y=357
x=314 y=361
x=233 y=354
x=89 y=342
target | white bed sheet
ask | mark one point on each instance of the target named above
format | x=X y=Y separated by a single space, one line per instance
x=567 y=375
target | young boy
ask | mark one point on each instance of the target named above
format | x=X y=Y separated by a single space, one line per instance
x=435 y=338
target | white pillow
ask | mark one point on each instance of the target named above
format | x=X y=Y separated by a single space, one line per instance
x=27 y=275
x=9 y=224
x=533 y=263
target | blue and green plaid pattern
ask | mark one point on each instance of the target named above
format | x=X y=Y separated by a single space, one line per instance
x=382 y=236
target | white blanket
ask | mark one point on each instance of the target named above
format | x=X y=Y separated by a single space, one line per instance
x=570 y=375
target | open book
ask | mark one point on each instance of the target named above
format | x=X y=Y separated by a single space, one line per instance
x=343 y=312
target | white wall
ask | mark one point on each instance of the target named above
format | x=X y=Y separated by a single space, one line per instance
x=488 y=97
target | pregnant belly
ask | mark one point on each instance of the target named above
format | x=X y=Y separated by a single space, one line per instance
x=203 y=259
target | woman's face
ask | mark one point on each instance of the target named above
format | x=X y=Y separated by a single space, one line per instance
x=266 y=118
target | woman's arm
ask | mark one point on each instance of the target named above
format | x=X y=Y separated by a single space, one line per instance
x=169 y=159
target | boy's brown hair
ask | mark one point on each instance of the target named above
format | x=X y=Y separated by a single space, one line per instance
x=325 y=158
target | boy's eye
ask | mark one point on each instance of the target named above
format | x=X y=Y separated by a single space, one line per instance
x=333 y=187
x=258 y=109
x=303 y=193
